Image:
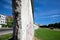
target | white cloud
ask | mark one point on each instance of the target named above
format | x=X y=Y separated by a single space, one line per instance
x=52 y=16
x=49 y=12
x=55 y=16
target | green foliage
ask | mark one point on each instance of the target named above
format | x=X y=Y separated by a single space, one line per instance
x=10 y=22
x=55 y=25
x=4 y=25
x=46 y=34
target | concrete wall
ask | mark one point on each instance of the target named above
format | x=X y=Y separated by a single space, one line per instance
x=27 y=20
x=23 y=20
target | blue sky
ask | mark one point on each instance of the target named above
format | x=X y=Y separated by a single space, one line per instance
x=45 y=11
x=6 y=7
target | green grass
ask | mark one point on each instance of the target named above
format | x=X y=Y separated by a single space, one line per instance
x=41 y=33
x=46 y=34
x=5 y=37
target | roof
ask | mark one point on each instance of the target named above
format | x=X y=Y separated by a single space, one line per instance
x=9 y=16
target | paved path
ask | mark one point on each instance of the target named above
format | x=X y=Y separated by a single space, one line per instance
x=5 y=31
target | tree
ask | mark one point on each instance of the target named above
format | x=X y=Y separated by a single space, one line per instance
x=55 y=25
x=10 y=21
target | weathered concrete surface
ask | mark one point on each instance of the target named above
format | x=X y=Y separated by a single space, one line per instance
x=23 y=20
x=27 y=20
x=16 y=4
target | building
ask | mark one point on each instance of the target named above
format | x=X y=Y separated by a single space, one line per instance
x=36 y=26
x=2 y=20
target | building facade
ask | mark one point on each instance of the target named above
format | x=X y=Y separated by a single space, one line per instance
x=2 y=20
x=36 y=26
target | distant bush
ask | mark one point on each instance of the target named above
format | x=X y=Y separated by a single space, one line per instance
x=43 y=26
x=51 y=28
x=55 y=25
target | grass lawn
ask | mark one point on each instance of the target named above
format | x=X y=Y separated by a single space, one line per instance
x=46 y=34
x=5 y=37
